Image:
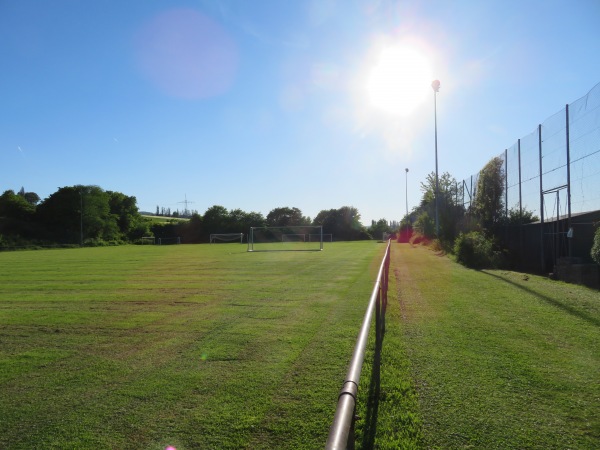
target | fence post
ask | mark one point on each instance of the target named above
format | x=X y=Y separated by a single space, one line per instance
x=520 y=202
x=569 y=246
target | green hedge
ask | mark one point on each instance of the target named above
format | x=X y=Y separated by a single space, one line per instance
x=475 y=250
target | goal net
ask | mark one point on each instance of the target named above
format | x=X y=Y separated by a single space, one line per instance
x=226 y=237
x=290 y=238
x=147 y=240
x=293 y=237
x=169 y=240
x=314 y=237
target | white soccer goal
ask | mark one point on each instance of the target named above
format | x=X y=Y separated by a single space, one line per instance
x=148 y=240
x=327 y=237
x=169 y=240
x=290 y=238
x=226 y=237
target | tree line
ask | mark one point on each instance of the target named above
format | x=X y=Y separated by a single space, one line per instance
x=472 y=233
x=84 y=215
x=343 y=223
x=89 y=215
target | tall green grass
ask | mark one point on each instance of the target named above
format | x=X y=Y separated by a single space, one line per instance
x=494 y=359
x=195 y=346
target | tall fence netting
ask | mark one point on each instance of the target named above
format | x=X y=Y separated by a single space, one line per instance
x=564 y=152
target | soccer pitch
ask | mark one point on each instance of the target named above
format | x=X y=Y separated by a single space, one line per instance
x=193 y=346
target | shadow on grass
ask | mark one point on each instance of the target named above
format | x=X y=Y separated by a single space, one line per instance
x=569 y=309
x=370 y=430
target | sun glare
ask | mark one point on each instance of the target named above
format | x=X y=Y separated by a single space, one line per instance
x=400 y=80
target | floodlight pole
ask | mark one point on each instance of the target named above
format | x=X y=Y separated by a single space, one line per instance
x=435 y=84
x=81 y=218
x=406 y=192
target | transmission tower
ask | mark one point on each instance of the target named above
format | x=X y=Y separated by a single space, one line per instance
x=186 y=211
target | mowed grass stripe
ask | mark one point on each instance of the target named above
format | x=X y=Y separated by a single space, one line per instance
x=203 y=346
x=497 y=359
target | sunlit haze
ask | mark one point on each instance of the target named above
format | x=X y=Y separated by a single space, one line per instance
x=314 y=104
x=400 y=79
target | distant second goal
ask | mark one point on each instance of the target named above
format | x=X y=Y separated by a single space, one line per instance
x=289 y=238
x=226 y=237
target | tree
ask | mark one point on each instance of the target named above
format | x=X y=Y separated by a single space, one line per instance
x=192 y=230
x=488 y=203
x=31 y=197
x=378 y=228
x=241 y=221
x=425 y=225
x=16 y=215
x=449 y=210
x=343 y=223
x=131 y=224
x=76 y=211
x=15 y=206
x=216 y=220
x=520 y=217
x=285 y=216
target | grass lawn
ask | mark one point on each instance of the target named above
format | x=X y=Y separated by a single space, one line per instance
x=209 y=346
x=195 y=346
x=485 y=360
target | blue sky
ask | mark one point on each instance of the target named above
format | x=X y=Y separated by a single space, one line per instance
x=261 y=104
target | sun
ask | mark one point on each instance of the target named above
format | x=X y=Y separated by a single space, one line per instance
x=400 y=80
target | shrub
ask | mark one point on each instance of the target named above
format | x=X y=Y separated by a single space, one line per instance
x=424 y=225
x=419 y=239
x=595 y=253
x=475 y=250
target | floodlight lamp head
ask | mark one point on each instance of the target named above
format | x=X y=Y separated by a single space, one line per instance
x=435 y=84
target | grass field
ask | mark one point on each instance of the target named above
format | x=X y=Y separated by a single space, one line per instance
x=195 y=346
x=165 y=219
x=208 y=346
x=484 y=360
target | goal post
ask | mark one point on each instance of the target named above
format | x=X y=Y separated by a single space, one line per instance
x=288 y=238
x=148 y=240
x=226 y=237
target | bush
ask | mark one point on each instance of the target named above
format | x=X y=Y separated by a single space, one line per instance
x=475 y=250
x=595 y=253
x=424 y=225
x=419 y=239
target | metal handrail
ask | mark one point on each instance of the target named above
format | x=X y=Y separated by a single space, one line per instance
x=343 y=421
